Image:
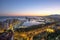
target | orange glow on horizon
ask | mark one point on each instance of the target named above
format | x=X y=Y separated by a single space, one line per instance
x=34 y=13
x=28 y=14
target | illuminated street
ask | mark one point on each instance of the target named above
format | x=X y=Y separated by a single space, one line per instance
x=15 y=30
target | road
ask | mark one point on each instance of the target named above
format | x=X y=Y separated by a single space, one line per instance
x=30 y=34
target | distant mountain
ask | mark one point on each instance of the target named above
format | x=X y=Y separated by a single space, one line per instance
x=56 y=17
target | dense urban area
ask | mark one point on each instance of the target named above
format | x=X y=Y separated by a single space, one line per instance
x=30 y=27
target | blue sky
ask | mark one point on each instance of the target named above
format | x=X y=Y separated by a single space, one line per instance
x=29 y=7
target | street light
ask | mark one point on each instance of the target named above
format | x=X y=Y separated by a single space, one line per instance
x=50 y=30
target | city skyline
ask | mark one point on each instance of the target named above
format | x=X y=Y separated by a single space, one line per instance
x=29 y=7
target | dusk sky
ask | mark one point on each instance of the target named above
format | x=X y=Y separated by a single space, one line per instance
x=29 y=7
